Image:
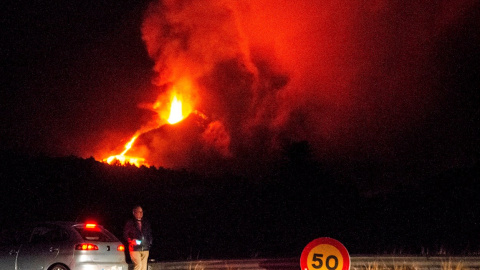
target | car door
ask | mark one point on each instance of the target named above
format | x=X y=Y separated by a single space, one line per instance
x=42 y=248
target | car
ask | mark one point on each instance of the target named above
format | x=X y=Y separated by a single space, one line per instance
x=61 y=246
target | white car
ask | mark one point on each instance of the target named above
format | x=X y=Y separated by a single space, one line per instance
x=62 y=246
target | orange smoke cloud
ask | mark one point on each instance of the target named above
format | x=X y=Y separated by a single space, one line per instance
x=209 y=42
x=335 y=73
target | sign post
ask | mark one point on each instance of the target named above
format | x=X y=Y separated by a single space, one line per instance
x=325 y=254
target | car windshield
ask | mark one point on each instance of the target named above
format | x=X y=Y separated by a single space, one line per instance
x=96 y=234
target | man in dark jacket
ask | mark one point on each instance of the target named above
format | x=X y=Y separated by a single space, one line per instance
x=138 y=233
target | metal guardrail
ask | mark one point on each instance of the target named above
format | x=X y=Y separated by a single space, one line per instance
x=414 y=263
x=357 y=263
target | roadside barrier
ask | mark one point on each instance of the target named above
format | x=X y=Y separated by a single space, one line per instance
x=357 y=263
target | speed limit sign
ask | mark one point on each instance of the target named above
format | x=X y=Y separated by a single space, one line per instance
x=325 y=254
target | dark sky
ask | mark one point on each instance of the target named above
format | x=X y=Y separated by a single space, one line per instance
x=379 y=89
x=72 y=70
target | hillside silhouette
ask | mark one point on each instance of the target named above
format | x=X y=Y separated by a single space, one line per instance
x=229 y=216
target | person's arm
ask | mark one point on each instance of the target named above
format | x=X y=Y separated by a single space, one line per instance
x=127 y=232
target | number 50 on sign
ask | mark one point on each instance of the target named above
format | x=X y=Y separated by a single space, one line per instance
x=325 y=254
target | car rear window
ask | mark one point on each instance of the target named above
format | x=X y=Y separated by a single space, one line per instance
x=96 y=234
x=48 y=233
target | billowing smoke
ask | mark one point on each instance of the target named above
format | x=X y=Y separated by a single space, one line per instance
x=356 y=79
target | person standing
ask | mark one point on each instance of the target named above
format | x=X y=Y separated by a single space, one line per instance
x=138 y=233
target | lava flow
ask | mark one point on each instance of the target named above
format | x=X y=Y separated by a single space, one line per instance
x=176 y=115
x=123 y=159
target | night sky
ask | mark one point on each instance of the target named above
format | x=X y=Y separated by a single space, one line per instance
x=381 y=90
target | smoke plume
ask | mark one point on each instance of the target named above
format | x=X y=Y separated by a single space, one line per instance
x=355 y=79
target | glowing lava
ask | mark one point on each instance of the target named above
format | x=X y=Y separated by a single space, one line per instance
x=176 y=114
x=123 y=160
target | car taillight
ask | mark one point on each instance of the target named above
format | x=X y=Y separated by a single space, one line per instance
x=86 y=247
x=121 y=248
x=90 y=225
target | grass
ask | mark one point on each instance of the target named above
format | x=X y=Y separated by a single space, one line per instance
x=195 y=266
x=450 y=266
x=446 y=265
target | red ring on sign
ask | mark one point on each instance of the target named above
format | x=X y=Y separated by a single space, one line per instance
x=322 y=241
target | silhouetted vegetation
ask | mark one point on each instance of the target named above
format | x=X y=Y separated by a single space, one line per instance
x=230 y=216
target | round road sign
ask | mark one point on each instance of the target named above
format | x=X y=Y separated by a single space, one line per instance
x=325 y=254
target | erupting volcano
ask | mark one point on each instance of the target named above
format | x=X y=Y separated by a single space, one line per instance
x=348 y=81
x=176 y=114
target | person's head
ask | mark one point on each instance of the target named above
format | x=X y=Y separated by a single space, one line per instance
x=138 y=212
